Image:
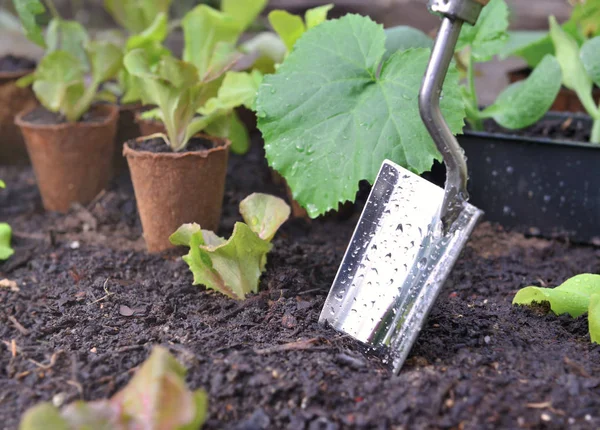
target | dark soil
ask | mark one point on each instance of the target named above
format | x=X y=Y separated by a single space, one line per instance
x=479 y=361
x=575 y=129
x=41 y=115
x=158 y=145
x=11 y=63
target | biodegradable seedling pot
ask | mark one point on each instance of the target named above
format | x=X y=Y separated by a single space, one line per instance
x=13 y=100
x=566 y=101
x=71 y=161
x=172 y=189
x=544 y=186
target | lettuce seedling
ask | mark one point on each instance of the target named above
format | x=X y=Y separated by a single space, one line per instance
x=337 y=108
x=155 y=398
x=59 y=81
x=575 y=297
x=233 y=267
x=137 y=16
x=5 y=236
x=522 y=103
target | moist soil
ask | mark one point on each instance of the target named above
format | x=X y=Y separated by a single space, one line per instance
x=158 y=145
x=42 y=116
x=91 y=303
x=573 y=129
x=11 y=63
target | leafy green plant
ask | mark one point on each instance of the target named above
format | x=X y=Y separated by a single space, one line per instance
x=59 y=81
x=137 y=16
x=155 y=398
x=340 y=104
x=575 y=297
x=520 y=104
x=233 y=266
x=5 y=236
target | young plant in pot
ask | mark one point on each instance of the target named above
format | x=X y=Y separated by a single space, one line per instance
x=69 y=137
x=533 y=46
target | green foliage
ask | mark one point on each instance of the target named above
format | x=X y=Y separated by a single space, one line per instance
x=244 y=12
x=487 y=37
x=233 y=267
x=330 y=116
x=155 y=398
x=575 y=297
x=5 y=236
x=28 y=10
x=590 y=58
x=67 y=36
x=291 y=27
x=402 y=37
x=137 y=15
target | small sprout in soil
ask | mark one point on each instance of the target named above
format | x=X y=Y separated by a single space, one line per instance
x=233 y=267
x=59 y=81
x=337 y=107
x=575 y=297
x=5 y=236
x=155 y=398
x=521 y=104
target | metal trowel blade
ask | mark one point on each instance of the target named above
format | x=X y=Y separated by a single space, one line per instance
x=396 y=263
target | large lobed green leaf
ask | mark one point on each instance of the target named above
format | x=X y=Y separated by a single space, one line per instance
x=487 y=37
x=524 y=103
x=156 y=398
x=28 y=10
x=402 y=37
x=233 y=267
x=329 y=119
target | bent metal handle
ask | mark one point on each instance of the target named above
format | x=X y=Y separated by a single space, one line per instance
x=454 y=13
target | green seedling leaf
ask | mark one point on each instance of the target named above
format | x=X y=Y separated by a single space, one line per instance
x=264 y=214
x=204 y=28
x=269 y=48
x=28 y=10
x=106 y=60
x=329 y=119
x=594 y=318
x=574 y=74
x=590 y=58
x=233 y=267
x=487 y=37
x=525 y=102
x=136 y=15
x=5 y=237
x=237 y=89
x=532 y=46
x=67 y=36
x=402 y=37
x=156 y=32
x=317 y=15
x=2 y=184
x=155 y=398
x=572 y=297
x=289 y=27
x=228 y=126
x=244 y=12
x=585 y=18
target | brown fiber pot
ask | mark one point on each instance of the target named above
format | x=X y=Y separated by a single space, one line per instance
x=71 y=161
x=12 y=101
x=172 y=189
x=127 y=129
x=566 y=100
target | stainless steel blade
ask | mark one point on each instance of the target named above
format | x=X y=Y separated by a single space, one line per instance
x=396 y=263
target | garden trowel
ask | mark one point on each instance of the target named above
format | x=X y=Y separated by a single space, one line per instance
x=410 y=232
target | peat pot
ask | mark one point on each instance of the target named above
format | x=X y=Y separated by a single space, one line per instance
x=12 y=101
x=548 y=187
x=566 y=100
x=177 y=188
x=71 y=161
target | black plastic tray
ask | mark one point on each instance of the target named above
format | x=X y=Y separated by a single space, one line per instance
x=542 y=186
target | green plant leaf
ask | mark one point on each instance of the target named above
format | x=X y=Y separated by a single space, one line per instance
x=264 y=214
x=28 y=10
x=329 y=120
x=43 y=416
x=594 y=318
x=567 y=53
x=106 y=60
x=317 y=15
x=5 y=237
x=590 y=57
x=532 y=46
x=228 y=126
x=204 y=28
x=402 y=37
x=487 y=37
x=233 y=267
x=2 y=184
x=67 y=36
x=585 y=18
x=98 y=415
x=571 y=297
x=289 y=27
x=244 y=12
x=525 y=102
x=136 y=15
x=156 y=32
x=237 y=89
x=269 y=50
